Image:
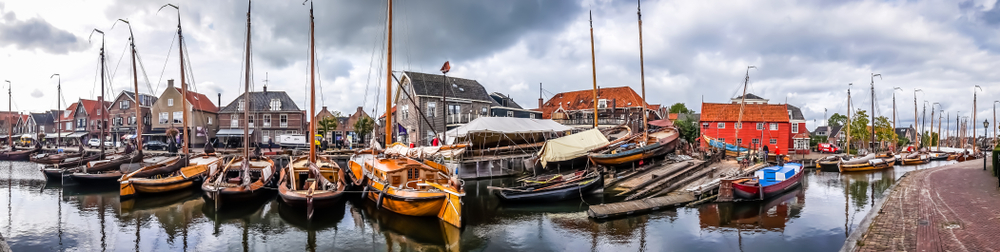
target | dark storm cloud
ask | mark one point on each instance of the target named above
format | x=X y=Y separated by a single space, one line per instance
x=37 y=34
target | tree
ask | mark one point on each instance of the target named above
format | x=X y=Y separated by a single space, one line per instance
x=901 y=140
x=363 y=126
x=328 y=124
x=884 y=133
x=837 y=120
x=679 y=108
x=689 y=129
x=860 y=133
x=929 y=139
x=815 y=140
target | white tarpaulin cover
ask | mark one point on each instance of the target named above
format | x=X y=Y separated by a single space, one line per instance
x=423 y=152
x=571 y=146
x=493 y=127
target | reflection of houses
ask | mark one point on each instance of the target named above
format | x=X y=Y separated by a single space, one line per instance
x=617 y=105
x=772 y=214
x=273 y=113
x=421 y=93
x=202 y=115
x=122 y=114
x=504 y=106
x=779 y=126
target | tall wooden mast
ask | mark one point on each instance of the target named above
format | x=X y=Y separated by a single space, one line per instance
x=312 y=86
x=872 y=116
x=135 y=86
x=642 y=74
x=246 y=94
x=388 y=83
x=915 y=118
x=593 y=65
x=848 y=124
x=743 y=99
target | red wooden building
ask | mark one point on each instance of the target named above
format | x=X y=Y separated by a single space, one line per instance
x=778 y=126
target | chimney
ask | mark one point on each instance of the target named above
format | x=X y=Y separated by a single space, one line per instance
x=539 y=102
x=265 y=88
x=170 y=83
x=220 y=100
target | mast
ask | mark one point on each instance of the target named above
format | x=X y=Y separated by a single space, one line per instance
x=312 y=86
x=642 y=75
x=59 y=108
x=940 y=116
x=246 y=94
x=388 y=84
x=872 y=116
x=184 y=101
x=593 y=65
x=100 y=99
x=974 y=111
x=915 y=118
x=848 y=147
x=930 y=134
x=10 y=113
x=135 y=81
x=743 y=99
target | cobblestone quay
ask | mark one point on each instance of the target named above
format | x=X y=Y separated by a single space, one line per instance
x=949 y=208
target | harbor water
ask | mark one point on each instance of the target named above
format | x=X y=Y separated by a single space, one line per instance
x=53 y=216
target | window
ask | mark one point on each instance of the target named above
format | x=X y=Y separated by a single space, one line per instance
x=234 y=121
x=755 y=141
x=209 y=119
x=431 y=109
x=69 y=125
x=250 y=121
x=430 y=137
x=170 y=102
x=531 y=115
x=510 y=113
x=283 y=120
x=266 y=120
x=774 y=126
x=738 y=125
x=722 y=140
x=485 y=111
x=412 y=173
x=739 y=142
x=760 y=126
x=721 y=125
x=164 y=117
x=41 y=128
x=774 y=141
x=239 y=106
x=795 y=128
x=704 y=125
x=275 y=104
x=602 y=103
x=404 y=111
x=99 y=111
x=290 y=132
x=123 y=105
x=266 y=134
x=178 y=115
x=81 y=123
x=454 y=109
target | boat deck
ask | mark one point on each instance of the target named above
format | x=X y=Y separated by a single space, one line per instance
x=619 y=209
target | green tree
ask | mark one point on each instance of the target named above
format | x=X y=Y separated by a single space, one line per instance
x=689 y=130
x=929 y=139
x=328 y=124
x=837 y=120
x=884 y=133
x=815 y=140
x=860 y=133
x=901 y=140
x=679 y=108
x=364 y=126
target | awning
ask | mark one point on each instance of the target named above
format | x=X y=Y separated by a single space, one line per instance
x=231 y=133
x=488 y=131
x=571 y=146
x=129 y=136
x=28 y=136
x=64 y=134
x=77 y=134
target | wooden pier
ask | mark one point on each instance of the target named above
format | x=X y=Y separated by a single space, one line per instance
x=619 y=209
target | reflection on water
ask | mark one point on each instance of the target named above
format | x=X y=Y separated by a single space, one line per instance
x=50 y=216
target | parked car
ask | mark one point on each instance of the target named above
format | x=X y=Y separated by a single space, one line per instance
x=154 y=145
x=827 y=148
x=94 y=142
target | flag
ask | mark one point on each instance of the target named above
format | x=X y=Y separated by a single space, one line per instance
x=401 y=129
x=446 y=67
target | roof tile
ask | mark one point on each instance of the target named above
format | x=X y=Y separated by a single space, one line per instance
x=729 y=112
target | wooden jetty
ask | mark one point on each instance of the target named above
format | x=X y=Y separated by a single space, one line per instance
x=651 y=175
x=619 y=209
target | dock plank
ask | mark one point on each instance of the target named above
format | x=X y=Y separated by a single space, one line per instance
x=611 y=210
x=657 y=172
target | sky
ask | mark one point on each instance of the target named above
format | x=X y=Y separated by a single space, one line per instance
x=805 y=52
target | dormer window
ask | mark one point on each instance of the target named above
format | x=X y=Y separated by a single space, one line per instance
x=602 y=103
x=275 y=104
x=239 y=107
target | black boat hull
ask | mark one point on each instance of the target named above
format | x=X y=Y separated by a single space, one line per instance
x=588 y=187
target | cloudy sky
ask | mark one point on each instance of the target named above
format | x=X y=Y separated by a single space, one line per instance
x=806 y=52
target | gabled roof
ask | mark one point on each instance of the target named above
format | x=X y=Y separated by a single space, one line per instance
x=502 y=100
x=730 y=112
x=796 y=113
x=91 y=107
x=834 y=130
x=199 y=101
x=432 y=85
x=261 y=101
x=750 y=96
x=69 y=113
x=42 y=118
x=583 y=99
x=147 y=98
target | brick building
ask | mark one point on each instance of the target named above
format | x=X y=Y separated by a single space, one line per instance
x=616 y=105
x=779 y=126
x=421 y=93
x=122 y=114
x=272 y=113
x=167 y=113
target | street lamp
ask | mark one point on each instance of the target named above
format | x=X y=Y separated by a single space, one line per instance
x=986 y=125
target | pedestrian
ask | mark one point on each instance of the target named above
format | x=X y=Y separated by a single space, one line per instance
x=435 y=142
x=270 y=144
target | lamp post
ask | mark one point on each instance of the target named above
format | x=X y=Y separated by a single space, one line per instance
x=986 y=125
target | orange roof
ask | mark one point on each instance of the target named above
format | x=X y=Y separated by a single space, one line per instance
x=672 y=116
x=583 y=99
x=68 y=116
x=728 y=112
x=200 y=102
x=91 y=107
x=393 y=112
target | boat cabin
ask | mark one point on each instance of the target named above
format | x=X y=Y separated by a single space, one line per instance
x=406 y=173
x=775 y=174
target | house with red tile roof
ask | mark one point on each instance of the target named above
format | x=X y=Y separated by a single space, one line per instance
x=616 y=105
x=203 y=115
x=87 y=116
x=780 y=127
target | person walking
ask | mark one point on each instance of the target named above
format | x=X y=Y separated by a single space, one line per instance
x=270 y=144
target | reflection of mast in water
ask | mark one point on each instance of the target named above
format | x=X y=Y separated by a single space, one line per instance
x=138 y=227
x=101 y=214
x=59 y=224
x=311 y=240
x=246 y=244
x=846 y=205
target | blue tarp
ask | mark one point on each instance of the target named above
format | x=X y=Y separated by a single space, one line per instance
x=729 y=147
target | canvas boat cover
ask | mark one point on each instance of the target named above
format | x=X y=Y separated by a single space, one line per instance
x=571 y=146
x=423 y=152
x=502 y=127
x=860 y=160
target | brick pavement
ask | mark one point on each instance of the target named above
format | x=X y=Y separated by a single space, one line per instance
x=948 y=208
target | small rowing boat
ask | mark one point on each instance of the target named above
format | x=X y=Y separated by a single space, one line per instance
x=769 y=182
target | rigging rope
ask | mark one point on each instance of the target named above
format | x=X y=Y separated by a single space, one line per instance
x=169 y=49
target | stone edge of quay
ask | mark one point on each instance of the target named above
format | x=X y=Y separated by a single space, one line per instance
x=852 y=240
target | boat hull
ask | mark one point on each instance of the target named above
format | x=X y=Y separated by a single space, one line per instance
x=103 y=177
x=753 y=192
x=320 y=198
x=828 y=165
x=575 y=191
x=424 y=205
x=633 y=155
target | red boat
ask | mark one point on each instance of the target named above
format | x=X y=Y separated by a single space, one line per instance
x=770 y=181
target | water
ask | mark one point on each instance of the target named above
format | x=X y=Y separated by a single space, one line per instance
x=43 y=216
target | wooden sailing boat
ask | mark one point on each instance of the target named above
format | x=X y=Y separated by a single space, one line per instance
x=311 y=181
x=242 y=178
x=107 y=169
x=173 y=173
x=871 y=161
x=637 y=147
x=404 y=185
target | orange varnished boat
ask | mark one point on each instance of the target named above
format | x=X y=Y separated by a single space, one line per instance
x=239 y=180
x=310 y=186
x=868 y=163
x=196 y=168
x=915 y=159
x=409 y=187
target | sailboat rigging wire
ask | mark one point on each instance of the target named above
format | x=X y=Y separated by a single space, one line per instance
x=372 y=59
x=98 y=70
x=115 y=72
x=145 y=76
x=169 y=49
